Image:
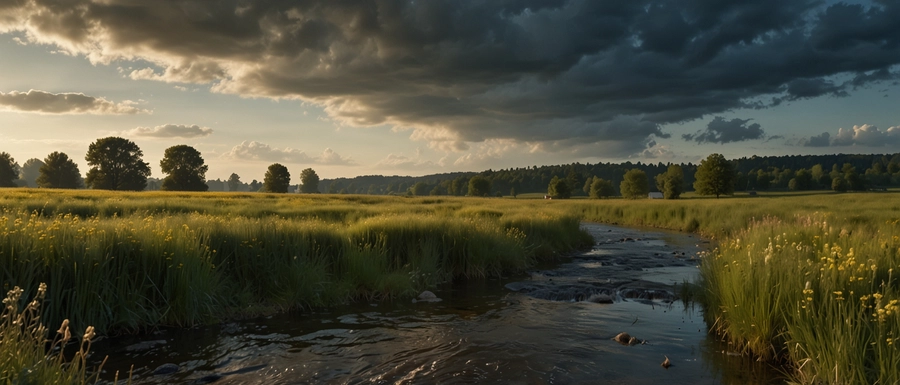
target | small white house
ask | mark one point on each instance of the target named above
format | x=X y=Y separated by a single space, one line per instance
x=656 y=195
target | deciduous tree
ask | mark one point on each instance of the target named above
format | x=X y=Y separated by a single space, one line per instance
x=715 y=176
x=602 y=188
x=185 y=168
x=635 y=184
x=671 y=182
x=309 y=181
x=58 y=171
x=419 y=189
x=559 y=188
x=30 y=171
x=277 y=179
x=116 y=164
x=9 y=170
x=479 y=186
x=234 y=182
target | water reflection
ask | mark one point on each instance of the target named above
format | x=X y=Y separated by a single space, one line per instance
x=480 y=332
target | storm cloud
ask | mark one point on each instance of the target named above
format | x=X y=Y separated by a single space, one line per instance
x=724 y=131
x=65 y=103
x=547 y=73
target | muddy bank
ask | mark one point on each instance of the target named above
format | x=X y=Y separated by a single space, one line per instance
x=624 y=264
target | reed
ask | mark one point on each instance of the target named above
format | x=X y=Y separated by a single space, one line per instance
x=27 y=356
x=133 y=262
x=805 y=279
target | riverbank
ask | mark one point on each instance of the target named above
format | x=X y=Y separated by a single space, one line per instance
x=480 y=332
x=787 y=267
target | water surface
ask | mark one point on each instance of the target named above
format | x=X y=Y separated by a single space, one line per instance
x=481 y=331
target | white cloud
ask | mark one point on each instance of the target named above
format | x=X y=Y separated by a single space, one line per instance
x=252 y=150
x=403 y=162
x=329 y=157
x=867 y=135
x=36 y=101
x=170 y=131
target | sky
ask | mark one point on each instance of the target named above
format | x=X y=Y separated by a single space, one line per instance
x=415 y=87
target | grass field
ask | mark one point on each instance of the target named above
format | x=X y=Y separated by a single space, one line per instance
x=806 y=279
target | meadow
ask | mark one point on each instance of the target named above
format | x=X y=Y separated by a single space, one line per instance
x=802 y=279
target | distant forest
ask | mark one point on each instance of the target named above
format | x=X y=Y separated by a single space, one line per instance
x=753 y=173
x=814 y=172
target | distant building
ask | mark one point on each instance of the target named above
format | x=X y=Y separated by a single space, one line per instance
x=655 y=195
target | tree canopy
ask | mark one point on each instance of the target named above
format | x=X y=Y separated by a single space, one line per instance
x=309 y=181
x=635 y=184
x=714 y=176
x=479 y=186
x=116 y=164
x=277 y=179
x=559 y=188
x=671 y=183
x=30 y=171
x=185 y=168
x=601 y=188
x=234 y=182
x=9 y=170
x=58 y=171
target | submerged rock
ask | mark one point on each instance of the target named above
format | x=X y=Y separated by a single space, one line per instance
x=144 y=346
x=627 y=340
x=600 y=298
x=165 y=369
x=427 y=296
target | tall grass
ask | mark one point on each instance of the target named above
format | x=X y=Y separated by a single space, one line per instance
x=820 y=295
x=806 y=279
x=26 y=354
x=123 y=270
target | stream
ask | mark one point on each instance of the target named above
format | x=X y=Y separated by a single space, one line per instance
x=554 y=325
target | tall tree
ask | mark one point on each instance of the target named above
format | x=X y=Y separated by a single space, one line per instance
x=234 y=182
x=602 y=188
x=116 y=164
x=58 y=171
x=186 y=169
x=30 y=171
x=309 y=181
x=277 y=179
x=671 y=182
x=479 y=186
x=419 y=189
x=714 y=176
x=559 y=188
x=255 y=186
x=635 y=184
x=9 y=170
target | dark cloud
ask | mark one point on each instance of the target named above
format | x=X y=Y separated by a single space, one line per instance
x=65 y=103
x=456 y=72
x=724 y=131
x=822 y=140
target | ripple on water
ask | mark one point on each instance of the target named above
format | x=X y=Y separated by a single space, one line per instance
x=481 y=333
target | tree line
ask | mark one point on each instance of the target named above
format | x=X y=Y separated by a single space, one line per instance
x=840 y=172
x=117 y=164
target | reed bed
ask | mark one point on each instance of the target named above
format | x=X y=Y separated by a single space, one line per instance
x=807 y=280
x=28 y=356
x=804 y=280
x=125 y=262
